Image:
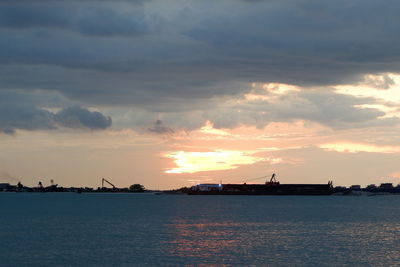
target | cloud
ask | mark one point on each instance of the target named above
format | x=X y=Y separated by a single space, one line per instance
x=184 y=49
x=25 y=117
x=16 y=112
x=96 y=20
x=159 y=128
x=383 y=81
x=325 y=107
x=27 y=16
x=77 y=117
x=72 y=1
x=197 y=58
x=353 y=147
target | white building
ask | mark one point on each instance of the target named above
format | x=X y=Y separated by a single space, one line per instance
x=207 y=187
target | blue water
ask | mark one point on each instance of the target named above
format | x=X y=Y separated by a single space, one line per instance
x=66 y=229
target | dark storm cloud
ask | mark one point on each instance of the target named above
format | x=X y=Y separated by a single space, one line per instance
x=17 y=112
x=305 y=42
x=101 y=20
x=71 y=1
x=77 y=117
x=27 y=16
x=165 y=56
x=25 y=117
x=196 y=44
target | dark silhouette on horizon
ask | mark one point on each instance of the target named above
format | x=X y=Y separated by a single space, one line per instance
x=270 y=187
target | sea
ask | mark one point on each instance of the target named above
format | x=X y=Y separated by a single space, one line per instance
x=100 y=229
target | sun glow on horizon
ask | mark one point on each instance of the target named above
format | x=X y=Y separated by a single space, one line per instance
x=192 y=162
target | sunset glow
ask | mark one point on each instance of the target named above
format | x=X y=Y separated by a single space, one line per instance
x=192 y=162
x=348 y=147
x=165 y=90
x=204 y=133
x=384 y=86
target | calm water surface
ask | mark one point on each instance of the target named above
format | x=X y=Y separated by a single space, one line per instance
x=65 y=229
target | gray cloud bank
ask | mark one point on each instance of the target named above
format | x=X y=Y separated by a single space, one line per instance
x=84 y=19
x=179 y=56
x=25 y=116
x=324 y=107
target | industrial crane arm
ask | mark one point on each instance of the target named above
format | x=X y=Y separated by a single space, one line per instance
x=105 y=180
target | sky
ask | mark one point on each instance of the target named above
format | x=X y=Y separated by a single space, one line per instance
x=179 y=92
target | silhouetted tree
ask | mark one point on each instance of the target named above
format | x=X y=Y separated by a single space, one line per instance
x=137 y=188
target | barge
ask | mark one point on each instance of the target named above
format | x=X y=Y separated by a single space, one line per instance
x=271 y=187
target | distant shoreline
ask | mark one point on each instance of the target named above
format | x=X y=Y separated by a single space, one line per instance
x=218 y=189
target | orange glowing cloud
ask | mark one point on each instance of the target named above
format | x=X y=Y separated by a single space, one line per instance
x=395 y=175
x=369 y=89
x=209 y=129
x=192 y=162
x=349 y=147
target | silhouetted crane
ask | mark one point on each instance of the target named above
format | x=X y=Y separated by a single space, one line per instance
x=272 y=181
x=105 y=180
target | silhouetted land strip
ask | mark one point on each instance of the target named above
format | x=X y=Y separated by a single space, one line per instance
x=135 y=188
x=221 y=189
